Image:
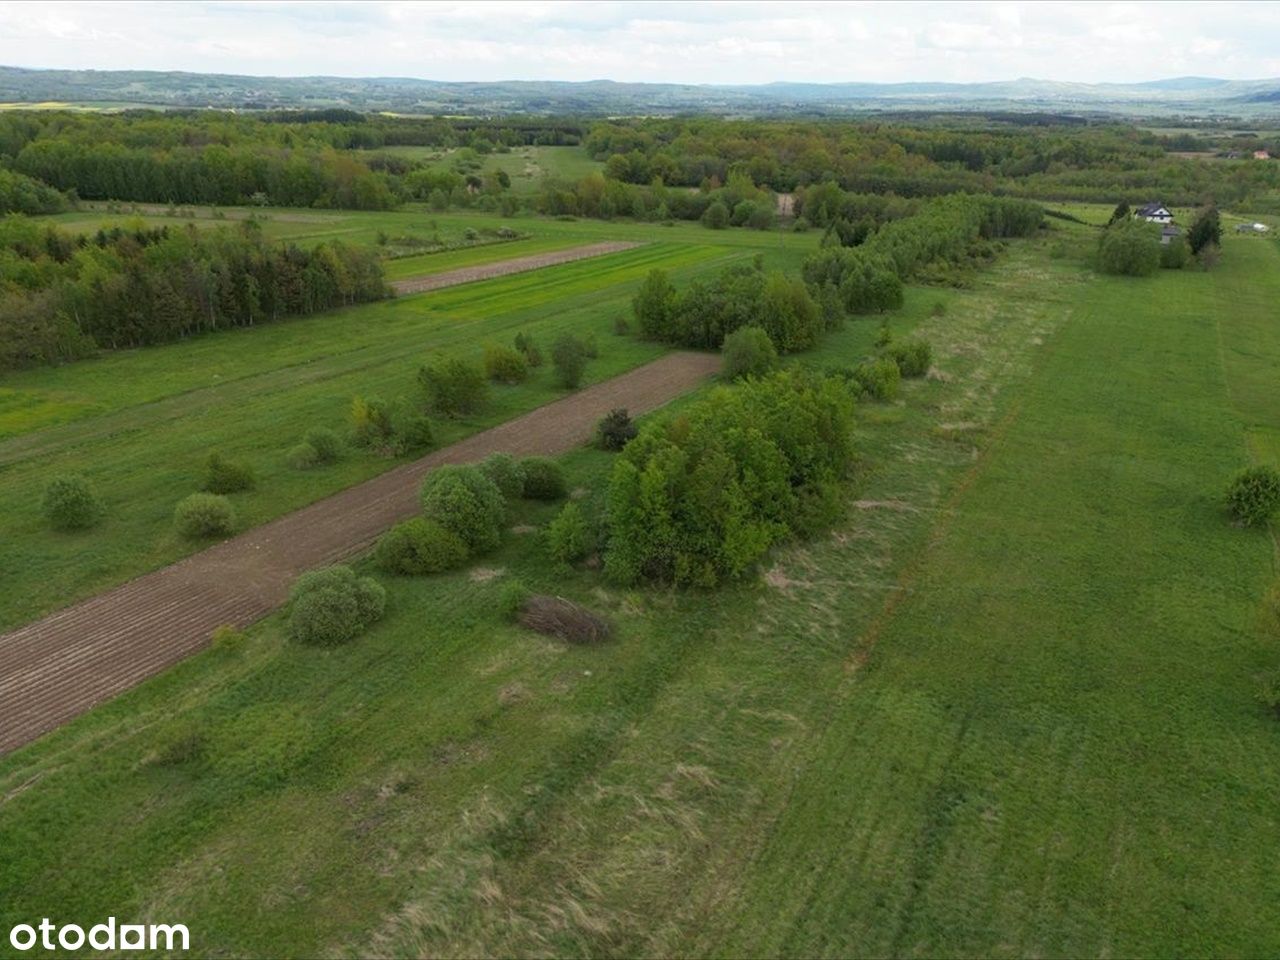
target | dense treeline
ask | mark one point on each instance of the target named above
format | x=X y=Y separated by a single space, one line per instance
x=21 y=194
x=64 y=295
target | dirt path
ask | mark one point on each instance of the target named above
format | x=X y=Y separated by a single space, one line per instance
x=58 y=667
x=501 y=268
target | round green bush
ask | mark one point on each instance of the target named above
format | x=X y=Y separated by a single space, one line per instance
x=465 y=501
x=1254 y=495
x=568 y=537
x=505 y=472
x=303 y=456
x=419 y=546
x=332 y=605
x=748 y=352
x=616 y=429
x=505 y=365
x=325 y=443
x=71 y=504
x=877 y=379
x=204 y=515
x=913 y=357
x=412 y=429
x=226 y=476
x=511 y=598
x=543 y=479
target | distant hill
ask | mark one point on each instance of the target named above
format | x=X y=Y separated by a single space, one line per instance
x=1188 y=96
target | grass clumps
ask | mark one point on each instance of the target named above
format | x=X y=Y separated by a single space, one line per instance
x=70 y=503
x=543 y=479
x=204 y=515
x=333 y=605
x=748 y=352
x=419 y=546
x=1254 y=495
x=226 y=476
x=466 y=502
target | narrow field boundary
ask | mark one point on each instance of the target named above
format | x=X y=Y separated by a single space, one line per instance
x=502 y=268
x=60 y=666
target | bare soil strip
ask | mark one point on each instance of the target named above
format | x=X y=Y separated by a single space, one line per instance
x=60 y=666
x=501 y=268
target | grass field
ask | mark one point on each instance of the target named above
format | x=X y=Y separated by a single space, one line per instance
x=527 y=167
x=1005 y=708
x=140 y=423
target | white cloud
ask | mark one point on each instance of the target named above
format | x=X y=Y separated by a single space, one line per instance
x=734 y=42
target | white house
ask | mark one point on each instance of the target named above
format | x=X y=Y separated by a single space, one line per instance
x=1154 y=213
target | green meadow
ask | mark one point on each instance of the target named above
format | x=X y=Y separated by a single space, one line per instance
x=1004 y=708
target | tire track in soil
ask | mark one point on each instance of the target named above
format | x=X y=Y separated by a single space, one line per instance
x=58 y=667
x=502 y=268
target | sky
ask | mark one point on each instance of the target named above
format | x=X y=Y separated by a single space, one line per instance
x=730 y=42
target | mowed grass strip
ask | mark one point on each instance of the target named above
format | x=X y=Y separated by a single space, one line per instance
x=144 y=457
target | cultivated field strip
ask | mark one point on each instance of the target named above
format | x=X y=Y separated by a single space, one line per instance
x=58 y=667
x=502 y=268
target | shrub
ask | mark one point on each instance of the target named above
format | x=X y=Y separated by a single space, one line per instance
x=1269 y=692
x=568 y=537
x=465 y=501
x=226 y=476
x=1254 y=495
x=204 y=515
x=506 y=474
x=1174 y=254
x=512 y=598
x=654 y=306
x=411 y=429
x=332 y=605
x=716 y=216
x=453 y=387
x=563 y=619
x=529 y=348
x=543 y=479
x=615 y=429
x=303 y=456
x=370 y=421
x=569 y=358
x=325 y=443
x=1130 y=248
x=913 y=357
x=70 y=503
x=877 y=379
x=748 y=351
x=504 y=365
x=419 y=546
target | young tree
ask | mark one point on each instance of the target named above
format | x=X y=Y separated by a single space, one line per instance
x=1121 y=212
x=1205 y=231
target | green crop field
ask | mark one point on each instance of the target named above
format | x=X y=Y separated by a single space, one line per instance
x=1004 y=708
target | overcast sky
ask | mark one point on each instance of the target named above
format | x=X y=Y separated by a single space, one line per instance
x=671 y=42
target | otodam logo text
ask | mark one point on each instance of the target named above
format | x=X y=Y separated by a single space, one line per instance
x=101 y=936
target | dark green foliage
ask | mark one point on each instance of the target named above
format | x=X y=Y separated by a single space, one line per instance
x=128 y=288
x=410 y=429
x=507 y=475
x=748 y=351
x=22 y=194
x=655 y=306
x=569 y=356
x=1206 y=231
x=463 y=500
x=568 y=536
x=1130 y=248
x=913 y=357
x=615 y=430
x=453 y=387
x=699 y=499
x=528 y=348
x=70 y=503
x=512 y=597
x=877 y=379
x=226 y=476
x=716 y=216
x=1120 y=213
x=419 y=546
x=1254 y=495
x=325 y=443
x=332 y=605
x=1174 y=254
x=543 y=479
x=204 y=515
x=505 y=365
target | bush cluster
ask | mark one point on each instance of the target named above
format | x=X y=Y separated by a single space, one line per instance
x=569 y=355
x=1130 y=248
x=332 y=605
x=748 y=352
x=700 y=498
x=913 y=357
x=70 y=503
x=568 y=536
x=543 y=479
x=504 y=364
x=876 y=379
x=226 y=476
x=453 y=387
x=528 y=348
x=615 y=430
x=466 y=502
x=506 y=474
x=204 y=515
x=419 y=546
x=1254 y=495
